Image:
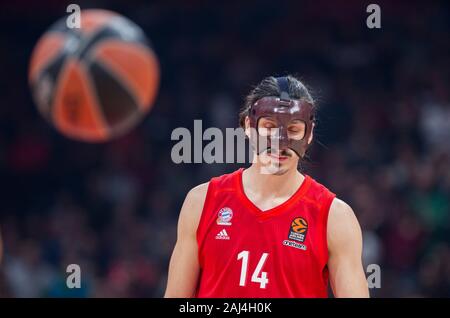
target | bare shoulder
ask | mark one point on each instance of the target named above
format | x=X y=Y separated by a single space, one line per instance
x=343 y=226
x=198 y=194
x=340 y=209
x=193 y=207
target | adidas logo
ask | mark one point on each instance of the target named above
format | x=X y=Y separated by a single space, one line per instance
x=223 y=235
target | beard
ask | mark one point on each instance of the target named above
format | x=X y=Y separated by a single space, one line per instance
x=275 y=168
x=284 y=152
x=280 y=168
x=279 y=171
x=270 y=165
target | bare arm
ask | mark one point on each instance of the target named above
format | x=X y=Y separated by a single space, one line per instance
x=184 y=267
x=344 y=237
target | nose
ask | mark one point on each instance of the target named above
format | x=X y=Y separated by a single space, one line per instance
x=281 y=139
x=284 y=139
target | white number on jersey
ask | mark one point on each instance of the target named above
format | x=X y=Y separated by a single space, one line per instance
x=258 y=276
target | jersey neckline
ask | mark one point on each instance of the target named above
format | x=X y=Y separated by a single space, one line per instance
x=266 y=214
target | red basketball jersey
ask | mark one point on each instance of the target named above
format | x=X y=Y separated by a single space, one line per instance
x=246 y=252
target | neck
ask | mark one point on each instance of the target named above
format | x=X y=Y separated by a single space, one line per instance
x=270 y=184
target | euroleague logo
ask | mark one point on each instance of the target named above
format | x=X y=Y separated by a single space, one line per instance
x=224 y=216
x=298 y=230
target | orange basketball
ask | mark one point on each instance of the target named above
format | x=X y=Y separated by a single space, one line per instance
x=95 y=82
x=299 y=225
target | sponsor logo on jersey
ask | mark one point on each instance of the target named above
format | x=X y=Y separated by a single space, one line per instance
x=294 y=244
x=224 y=216
x=222 y=235
x=298 y=230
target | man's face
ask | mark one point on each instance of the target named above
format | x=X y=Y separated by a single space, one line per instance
x=278 y=160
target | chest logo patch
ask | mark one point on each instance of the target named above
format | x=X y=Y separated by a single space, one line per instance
x=298 y=230
x=224 y=216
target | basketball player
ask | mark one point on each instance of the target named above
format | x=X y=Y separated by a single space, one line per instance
x=263 y=232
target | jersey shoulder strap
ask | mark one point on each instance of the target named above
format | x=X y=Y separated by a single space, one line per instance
x=321 y=196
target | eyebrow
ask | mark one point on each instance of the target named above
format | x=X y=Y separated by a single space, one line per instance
x=269 y=118
x=297 y=121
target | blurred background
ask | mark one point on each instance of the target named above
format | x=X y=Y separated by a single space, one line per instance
x=384 y=133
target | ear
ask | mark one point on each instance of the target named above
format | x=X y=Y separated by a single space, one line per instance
x=311 y=135
x=247 y=126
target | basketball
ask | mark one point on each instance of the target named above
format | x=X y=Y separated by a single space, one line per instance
x=299 y=225
x=95 y=82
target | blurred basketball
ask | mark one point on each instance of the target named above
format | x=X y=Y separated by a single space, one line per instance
x=299 y=225
x=97 y=81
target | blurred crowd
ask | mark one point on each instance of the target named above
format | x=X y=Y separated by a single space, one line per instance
x=382 y=141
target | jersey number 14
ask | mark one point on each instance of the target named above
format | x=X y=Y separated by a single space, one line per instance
x=257 y=276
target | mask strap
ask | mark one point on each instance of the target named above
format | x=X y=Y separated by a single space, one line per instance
x=283 y=84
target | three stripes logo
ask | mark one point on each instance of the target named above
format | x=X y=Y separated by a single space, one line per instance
x=222 y=235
